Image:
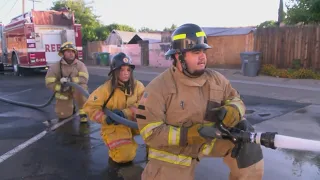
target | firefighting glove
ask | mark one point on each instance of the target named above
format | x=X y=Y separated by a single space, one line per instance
x=64 y=80
x=228 y=115
x=110 y=121
x=119 y=113
x=189 y=136
x=64 y=87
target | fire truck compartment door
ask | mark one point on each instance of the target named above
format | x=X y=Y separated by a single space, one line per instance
x=67 y=35
x=52 y=43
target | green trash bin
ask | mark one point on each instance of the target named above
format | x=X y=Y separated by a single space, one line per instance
x=104 y=58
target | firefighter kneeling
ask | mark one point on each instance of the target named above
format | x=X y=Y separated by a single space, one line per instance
x=181 y=100
x=68 y=69
x=120 y=94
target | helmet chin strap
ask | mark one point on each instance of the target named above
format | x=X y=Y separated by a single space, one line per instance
x=185 y=70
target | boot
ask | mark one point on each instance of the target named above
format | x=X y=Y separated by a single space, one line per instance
x=116 y=165
x=83 y=116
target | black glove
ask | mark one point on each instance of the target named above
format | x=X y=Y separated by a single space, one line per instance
x=119 y=113
x=246 y=153
x=243 y=125
x=109 y=120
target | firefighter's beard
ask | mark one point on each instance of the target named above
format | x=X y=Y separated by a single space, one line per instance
x=193 y=73
x=69 y=60
x=197 y=73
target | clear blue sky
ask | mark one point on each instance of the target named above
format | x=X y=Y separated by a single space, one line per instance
x=156 y=15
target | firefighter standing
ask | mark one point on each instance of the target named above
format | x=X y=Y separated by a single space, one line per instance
x=68 y=69
x=119 y=94
x=181 y=100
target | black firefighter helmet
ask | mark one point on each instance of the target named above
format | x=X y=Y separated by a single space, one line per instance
x=187 y=37
x=119 y=60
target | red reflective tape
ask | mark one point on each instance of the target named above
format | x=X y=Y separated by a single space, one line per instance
x=118 y=143
x=98 y=116
x=133 y=111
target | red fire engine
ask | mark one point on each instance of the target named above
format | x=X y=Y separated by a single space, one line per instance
x=32 y=40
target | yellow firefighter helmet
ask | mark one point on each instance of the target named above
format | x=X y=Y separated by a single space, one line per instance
x=67 y=46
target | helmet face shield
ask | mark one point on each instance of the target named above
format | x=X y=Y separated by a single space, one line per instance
x=190 y=44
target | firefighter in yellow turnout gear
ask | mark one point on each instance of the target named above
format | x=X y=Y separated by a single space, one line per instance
x=120 y=94
x=68 y=69
x=181 y=100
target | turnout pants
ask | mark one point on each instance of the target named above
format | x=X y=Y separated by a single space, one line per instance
x=119 y=140
x=161 y=170
x=64 y=107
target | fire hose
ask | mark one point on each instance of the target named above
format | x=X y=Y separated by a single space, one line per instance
x=271 y=140
x=28 y=105
x=267 y=139
x=109 y=113
x=114 y=116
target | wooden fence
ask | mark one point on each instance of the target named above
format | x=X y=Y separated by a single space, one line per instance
x=280 y=46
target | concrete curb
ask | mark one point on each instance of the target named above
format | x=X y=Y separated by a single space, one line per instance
x=234 y=77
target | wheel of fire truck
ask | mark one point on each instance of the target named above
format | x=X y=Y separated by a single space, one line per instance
x=1 y=67
x=1 y=63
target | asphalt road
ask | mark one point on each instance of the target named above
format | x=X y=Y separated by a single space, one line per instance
x=76 y=151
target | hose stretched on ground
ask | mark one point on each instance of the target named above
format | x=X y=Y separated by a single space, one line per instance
x=114 y=116
x=33 y=106
x=267 y=139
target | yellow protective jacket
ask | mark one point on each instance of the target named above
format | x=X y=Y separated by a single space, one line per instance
x=172 y=102
x=119 y=100
x=77 y=71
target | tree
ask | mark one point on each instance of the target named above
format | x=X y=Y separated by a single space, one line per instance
x=92 y=29
x=267 y=24
x=146 y=29
x=281 y=14
x=303 y=11
x=173 y=27
x=120 y=27
x=103 y=31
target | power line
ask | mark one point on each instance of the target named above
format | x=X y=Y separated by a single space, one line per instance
x=33 y=1
x=4 y=5
x=13 y=6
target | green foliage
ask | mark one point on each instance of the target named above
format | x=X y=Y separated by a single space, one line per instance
x=120 y=27
x=92 y=29
x=305 y=11
x=173 y=27
x=103 y=31
x=300 y=73
x=296 y=64
x=303 y=73
x=267 y=24
x=146 y=29
x=281 y=13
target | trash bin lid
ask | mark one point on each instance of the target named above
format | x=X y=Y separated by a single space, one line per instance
x=250 y=53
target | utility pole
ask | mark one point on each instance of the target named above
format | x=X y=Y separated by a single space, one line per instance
x=22 y=6
x=33 y=1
